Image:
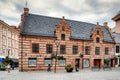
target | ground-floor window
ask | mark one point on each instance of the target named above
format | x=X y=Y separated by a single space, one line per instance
x=86 y=63
x=47 y=61
x=32 y=61
x=62 y=62
x=116 y=61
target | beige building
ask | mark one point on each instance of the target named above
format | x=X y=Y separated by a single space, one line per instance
x=8 y=41
x=116 y=34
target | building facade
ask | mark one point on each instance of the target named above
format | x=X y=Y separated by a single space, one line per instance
x=9 y=41
x=80 y=43
x=117 y=49
x=116 y=34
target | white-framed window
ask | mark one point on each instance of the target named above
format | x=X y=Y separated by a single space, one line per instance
x=14 y=52
x=12 y=43
x=16 y=44
x=62 y=62
x=4 y=51
x=9 y=42
x=86 y=63
x=11 y=52
x=16 y=37
x=9 y=34
x=12 y=35
x=47 y=61
x=3 y=40
x=32 y=61
x=4 y=31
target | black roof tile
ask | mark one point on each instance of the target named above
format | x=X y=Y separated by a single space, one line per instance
x=38 y=25
x=117 y=37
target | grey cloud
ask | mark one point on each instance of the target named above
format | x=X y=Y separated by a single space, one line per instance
x=82 y=10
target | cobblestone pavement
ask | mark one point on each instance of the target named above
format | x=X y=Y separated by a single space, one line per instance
x=113 y=74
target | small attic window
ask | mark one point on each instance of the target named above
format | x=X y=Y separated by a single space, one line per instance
x=62 y=36
x=97 y=40
x=98 y=32
x=63 y=29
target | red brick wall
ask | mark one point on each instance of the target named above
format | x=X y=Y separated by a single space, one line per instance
x=27 y=41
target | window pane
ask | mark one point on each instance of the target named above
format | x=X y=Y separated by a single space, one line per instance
x=63 y=29
x=62 y=49
x=97 y=32
x=97 y=40
x=106 y=50
x=87 y=50
x=32 y=62
x=97 y=50
x=75 y=49
x=62 y=62
x=49 y=48
x=86 y=63
x=116 y=61
x=47 y=61
x=35 y=47
x=62 y=36
x=117 y=49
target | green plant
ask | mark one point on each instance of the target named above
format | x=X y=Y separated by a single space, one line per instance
x=7 y=60
x=60 y=57
x=3 y=66
x=107 y=61
x=53 y=56
x=69 y=68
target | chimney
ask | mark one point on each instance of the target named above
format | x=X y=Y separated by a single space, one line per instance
x=63 y=17
x=26 y=11
x=12 y=26
x=105 y=24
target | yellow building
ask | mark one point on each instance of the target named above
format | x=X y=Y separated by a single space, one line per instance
x=8 y=41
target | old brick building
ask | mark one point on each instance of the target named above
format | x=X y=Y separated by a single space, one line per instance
x=80 y=43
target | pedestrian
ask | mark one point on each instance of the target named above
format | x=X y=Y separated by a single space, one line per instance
x=76 y=68
x=49 y=68
x=8 y=68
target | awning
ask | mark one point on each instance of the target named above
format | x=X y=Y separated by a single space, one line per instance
x=2 y=56
x=1 y=59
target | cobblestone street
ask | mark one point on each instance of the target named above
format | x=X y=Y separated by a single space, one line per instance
x=113 y=74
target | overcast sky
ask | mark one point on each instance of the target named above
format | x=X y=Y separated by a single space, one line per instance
x=91 y=11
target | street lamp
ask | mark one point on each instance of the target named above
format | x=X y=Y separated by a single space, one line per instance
x=81 y=56
x=57 y=45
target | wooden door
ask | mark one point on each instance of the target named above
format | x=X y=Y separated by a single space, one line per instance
x=97 y=62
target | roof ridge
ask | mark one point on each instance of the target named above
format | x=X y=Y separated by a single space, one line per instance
x=61 y=18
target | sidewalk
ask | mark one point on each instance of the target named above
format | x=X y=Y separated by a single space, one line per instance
x=86 y=74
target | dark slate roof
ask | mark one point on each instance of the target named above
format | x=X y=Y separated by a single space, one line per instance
x=117 y=37
x=38 y=25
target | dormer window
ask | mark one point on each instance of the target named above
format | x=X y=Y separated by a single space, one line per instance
x=62 y=36
x=97 y=40
x=98 y=32
x=63 y=29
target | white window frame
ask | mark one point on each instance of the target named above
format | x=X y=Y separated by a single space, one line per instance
x=86 y=63
x=32 y=61
x=47 y=61
x=62 y=62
